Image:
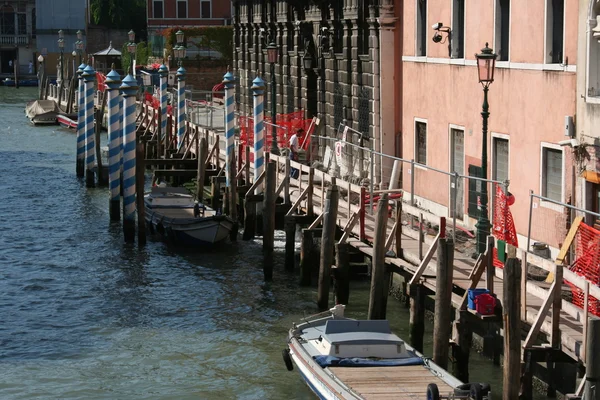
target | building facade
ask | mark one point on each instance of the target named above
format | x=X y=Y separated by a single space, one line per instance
x=17 y=35
x=533 y=93
x=587 y=124
x=328 y=63
x=163 y=14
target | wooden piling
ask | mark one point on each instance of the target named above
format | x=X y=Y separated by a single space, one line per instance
x=247 y=170
x=215 y=192
x=201 y=149
x=416 y=325
x=290 y=242
x=327 y=241
x=233 y=188
x=443 y=300
x=307 y=257
x=511 y=316
x=591 y=390
x=380 y=279
x=399 y=252
x=463 y=340
x=249 y=219
x=342 y=273
x=269 y=208
x=139 y=189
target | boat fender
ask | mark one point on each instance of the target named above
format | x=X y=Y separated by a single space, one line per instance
x=476 y=392
x=433 y=393
x=287 y=359
x=465 y=389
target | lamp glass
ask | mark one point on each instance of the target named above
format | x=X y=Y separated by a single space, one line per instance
x=486 y=63
x=307 y=61
x=41 y=58
x=79 y=35
x=79 y=45
x=179 y=35
x=272 y=53
x=74 y=54
x=131 y=35
x=61 y=34
x=131 y=47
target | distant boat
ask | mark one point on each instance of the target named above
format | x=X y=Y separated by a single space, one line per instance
x=42 y=112
x=343 y=358
x=67 y=120
x=173 y=214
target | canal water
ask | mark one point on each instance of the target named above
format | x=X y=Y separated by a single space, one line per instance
x=84 y=316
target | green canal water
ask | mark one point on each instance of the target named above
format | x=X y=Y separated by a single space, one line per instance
x=84 y=316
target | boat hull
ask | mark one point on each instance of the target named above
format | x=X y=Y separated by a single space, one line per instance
x=66 y=121
x=42 y=112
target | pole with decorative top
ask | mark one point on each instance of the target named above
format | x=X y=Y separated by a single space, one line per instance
x=80 y=166
x=113 y=82
x=163 y=72
x=89 y=77
x=258 y=90
x=229 y=82
x=129 y=90
x=180 y=107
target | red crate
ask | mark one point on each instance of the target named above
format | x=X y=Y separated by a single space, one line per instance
x=485 y=304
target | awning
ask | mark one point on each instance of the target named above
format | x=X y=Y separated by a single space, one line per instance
x=591 y=176
x=110 y=51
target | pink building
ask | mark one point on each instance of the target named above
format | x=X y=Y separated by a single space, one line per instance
x=533 y=91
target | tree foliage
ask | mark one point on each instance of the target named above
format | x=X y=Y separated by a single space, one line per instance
x=123 y=14
x=217 y=38
x=141 y=56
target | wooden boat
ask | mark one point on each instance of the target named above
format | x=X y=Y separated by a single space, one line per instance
x=342 y=358
x=42 y=111
x=67 y=120
x=173 y=214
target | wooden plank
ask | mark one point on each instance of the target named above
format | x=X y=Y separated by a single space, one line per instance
x=564 y=249
x=349 y=226
x=480 y=266
x=316 y=222
x=257 y=182
x=391 y=236
x=541 y=316
x=298 y=201
x=425 y=261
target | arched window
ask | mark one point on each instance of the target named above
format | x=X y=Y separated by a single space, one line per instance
x=7 y=20
x=593 y=73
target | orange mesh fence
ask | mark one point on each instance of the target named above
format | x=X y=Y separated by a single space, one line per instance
x=504 y=225
x=587 y=265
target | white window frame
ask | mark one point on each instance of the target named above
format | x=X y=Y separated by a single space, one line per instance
x=187 y=9
x=452 y=127
x=498 y=39
x=494 y=136
x=163 y=9
x=591 y=41
x=211 y=11
x=416 y=144
x=548 y=204
x=464 y=33
x=548 y=32
x=417 y=29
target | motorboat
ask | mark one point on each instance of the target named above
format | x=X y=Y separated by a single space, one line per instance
x=173 y=214
x=42 y=112
x=343 y=358
x=67 y=120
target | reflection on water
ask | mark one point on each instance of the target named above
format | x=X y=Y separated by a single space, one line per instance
x=86 y=316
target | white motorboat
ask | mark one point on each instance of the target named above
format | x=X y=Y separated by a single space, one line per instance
x=342 y=358
x=42 y=112
x=173 y=214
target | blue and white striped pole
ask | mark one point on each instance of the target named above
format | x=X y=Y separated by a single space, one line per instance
x=113 y=81
x=89 y=77
x=163 y=72
x=229 y=82
x=80 y=166
x=180 y=107
x=129 y=90
x=258 y=90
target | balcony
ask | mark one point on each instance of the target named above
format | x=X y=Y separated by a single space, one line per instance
x=14 y=40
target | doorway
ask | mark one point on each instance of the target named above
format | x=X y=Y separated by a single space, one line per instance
x=457 y=164
x=7 y=59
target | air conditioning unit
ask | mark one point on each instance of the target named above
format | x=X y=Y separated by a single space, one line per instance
x=569 y=126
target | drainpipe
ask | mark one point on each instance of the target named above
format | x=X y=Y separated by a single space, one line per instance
x=378 y=143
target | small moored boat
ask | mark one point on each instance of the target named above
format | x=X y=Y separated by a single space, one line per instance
x=42 y=111
x=173 y=214
x=343 y=358
x=67 y=120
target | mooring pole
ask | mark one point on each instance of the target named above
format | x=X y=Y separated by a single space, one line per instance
x=163 y=72
x=511 y=315
x=327 y=241
x=443 y=299
x=307 y=258
x=416 y=323
x=463 y=340
x=342 y=273
x=591 y=390
x=380 y=279
x=113 y=81
x=258 y=90
x=139 y=189
x=129 y=89
x=229 y=82
x=89 y=77
x=269 y=208
x=180 y=107
x=81 y=133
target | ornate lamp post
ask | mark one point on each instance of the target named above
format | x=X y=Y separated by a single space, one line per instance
x=131 y=48
x=74 y=54
x=40 y=75
x=61 y=46
x=486 y=62
x=79 y=46
x=272 y=55
x=179 y=50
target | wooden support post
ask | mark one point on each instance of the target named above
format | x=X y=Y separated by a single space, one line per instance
x=556 y=305
x=100 y=176
x=342 y=273
x=361 y=213
x=398 y=249
x=592 y=369
x=215 y=192
x=421 y=236
x=249 y=219
x=526 y=391
x=443 y=299
x=140 y=183
x=269 y=208
x=233 y=188
x=286 y=188
x=380 y=279
x=309 y=198
x=490 y=270
x=201 y=154
x=247 y=181
x=463 y=340
x=416 y=325
x=290 y=242
x=327 y=241
x=523 y=288
x=307 y=257
x=511 y=316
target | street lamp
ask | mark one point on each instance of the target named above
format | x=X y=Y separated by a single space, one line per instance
x=74 y=54
x=40 y=74
x=79 y=46
x=131 y=48
x=272 y=54
x=61 y=46
x=486 y=62
x=179 y=50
